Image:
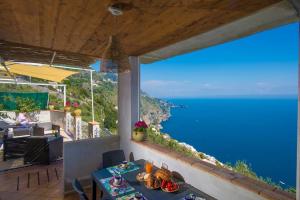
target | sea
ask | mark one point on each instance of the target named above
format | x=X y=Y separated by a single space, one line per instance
x=260 y=131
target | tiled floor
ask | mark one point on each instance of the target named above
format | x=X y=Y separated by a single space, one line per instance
x=46 y=190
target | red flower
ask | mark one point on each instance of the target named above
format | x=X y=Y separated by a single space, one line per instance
x=140 y=124
x=68 y=103
x=75 y=105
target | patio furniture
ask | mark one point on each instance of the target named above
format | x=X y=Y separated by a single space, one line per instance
x=112 y=158
x=22 y=131
x=130 y=177
x=78 y=188
x=131 y=157
x=2 y=131
x=56 y=129
x=38 y=131
x=43 y=149
x=49 y=128
x=14 y=147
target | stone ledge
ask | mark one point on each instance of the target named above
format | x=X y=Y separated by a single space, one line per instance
x=262 y=189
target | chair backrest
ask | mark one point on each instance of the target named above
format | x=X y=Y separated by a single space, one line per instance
x=131 y=157
x=78 y=188
x=56 y=128
x=38 y=131
x=112 y=158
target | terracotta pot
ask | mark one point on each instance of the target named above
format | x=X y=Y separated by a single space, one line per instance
x=51 y=107
x=77 y=112
x=138 y=136
x=67 y=108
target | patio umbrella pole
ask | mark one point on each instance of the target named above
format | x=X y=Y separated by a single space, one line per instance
x=92 y=95
x=65 y=95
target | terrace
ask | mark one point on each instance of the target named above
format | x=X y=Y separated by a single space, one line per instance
x=76 y=33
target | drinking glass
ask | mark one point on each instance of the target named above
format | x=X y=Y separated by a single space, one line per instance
x=148 y=167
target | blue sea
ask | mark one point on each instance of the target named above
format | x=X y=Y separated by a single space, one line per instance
x=262 y=132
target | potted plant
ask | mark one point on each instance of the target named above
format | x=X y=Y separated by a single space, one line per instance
x=51 y=106
x=77 y=111
x=67 y=108
x=139 y=131
x=26 y=109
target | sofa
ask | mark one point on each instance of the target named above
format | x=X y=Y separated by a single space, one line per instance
x=43 y=149
x=34 y=146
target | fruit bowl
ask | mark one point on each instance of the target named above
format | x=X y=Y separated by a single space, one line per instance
x=169 y=187
x=151 y=188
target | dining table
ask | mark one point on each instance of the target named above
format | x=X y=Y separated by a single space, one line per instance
x=102 y=180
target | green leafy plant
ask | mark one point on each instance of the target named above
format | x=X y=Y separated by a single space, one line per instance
x=26 y=105
x=140 y=126
x=8 y=98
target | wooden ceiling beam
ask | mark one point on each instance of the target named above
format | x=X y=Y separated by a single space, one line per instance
x=80 y=27
x=24 y=53
x=192 y=22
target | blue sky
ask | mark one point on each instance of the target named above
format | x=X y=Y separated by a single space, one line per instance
x=264 y=64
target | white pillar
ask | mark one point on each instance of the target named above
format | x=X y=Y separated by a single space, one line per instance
x=94 y=129
x=78 y=130
x=128 y=102
x=68 y=122
x=92 y=95
x=65 y=95
x=135 y=89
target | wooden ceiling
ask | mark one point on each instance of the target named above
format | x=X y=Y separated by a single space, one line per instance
x=82 y=27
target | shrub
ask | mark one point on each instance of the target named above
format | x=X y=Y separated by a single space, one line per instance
x=26 y=105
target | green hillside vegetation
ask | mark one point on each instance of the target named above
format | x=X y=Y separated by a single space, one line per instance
x=105 y=98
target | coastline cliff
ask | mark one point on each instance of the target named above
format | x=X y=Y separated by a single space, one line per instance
x=154 y=111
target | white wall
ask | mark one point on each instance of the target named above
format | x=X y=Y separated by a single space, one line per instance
x=82 y=157
x=57 y=117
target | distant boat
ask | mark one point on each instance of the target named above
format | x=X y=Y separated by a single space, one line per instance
x=178 y=106
x=283 y=183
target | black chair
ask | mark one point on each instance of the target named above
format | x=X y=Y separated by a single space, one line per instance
x=78 y=188
x=131 y=157
x=112 y=158
x=56 y=129
x=38 y=131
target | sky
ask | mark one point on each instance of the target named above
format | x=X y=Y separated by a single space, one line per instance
x=264 y=64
